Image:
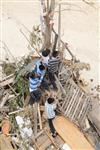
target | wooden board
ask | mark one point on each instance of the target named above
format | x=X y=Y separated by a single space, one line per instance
x=5 y=143
x=71 y=134
x=6 y=82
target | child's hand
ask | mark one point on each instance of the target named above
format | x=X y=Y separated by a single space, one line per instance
x=53 y=94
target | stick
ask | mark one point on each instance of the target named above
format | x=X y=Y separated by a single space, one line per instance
x=4 y=100
x=6 y=82
x=65 y=44
x=55 y=42
x=35 y=118
x=6 y=48
x=63 y=90
x=29 y=42
x=40 y=121
x=12 y=90
x=17 y=111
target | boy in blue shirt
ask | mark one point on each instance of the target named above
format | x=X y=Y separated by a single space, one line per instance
x=40 y=70
x=34 y=84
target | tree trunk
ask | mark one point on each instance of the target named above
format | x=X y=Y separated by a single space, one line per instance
x=47 y=14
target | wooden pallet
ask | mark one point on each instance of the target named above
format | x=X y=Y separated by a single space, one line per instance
x=45 y=141
x=76 y=104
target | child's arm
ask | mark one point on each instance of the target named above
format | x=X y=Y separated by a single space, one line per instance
x=54 y=106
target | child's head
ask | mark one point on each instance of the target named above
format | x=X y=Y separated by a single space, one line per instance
x=50 y=100
x=55 y=53
x=46 y=52
x=41 y=67
x=32 y=75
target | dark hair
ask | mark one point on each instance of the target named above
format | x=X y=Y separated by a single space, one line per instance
x=32 y=75
x=27 y=75
x=41 y=67
x=50 y=100
x=46 y=52
x=55 y=53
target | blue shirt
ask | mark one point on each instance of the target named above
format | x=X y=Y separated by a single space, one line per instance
x=41 y=73
x=34 y=83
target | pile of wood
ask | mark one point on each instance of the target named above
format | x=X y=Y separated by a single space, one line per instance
x=72 y=102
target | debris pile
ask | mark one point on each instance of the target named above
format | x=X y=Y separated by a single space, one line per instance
x=23 y=126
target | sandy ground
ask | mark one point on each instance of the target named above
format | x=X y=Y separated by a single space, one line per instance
x=80 y=28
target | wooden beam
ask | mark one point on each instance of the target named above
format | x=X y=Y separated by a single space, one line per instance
x=5 y=98
x=66 y=46
x=39 y=115
x=51 y=139
x=6 y=82
x=63 y=90
x=17 y=111
x=59 y=28
x=35 y=107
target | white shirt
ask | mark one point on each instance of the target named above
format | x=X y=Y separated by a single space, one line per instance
x=45 y=60
x=49 y=109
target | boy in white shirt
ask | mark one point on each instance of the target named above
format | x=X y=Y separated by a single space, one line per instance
x=50 y=107
x=45 y=57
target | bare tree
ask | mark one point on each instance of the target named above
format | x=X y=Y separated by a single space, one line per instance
x=47 y=14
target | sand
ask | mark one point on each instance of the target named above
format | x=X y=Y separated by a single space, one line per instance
x=80 y=28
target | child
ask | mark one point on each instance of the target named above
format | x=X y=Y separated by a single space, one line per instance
x=50 y=107
x=45 y=57
x=40 y=70
x=53 y=66
x=34 y=84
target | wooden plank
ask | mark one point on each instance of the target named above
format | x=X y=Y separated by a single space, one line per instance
x=83 y=106
x=71 y=134
x=4 y=100
x=45 y=144
x=35 y=118
x=12 y=89
x=85 y=111
x=73 y=102
x=76 y=106
x=8 y=77
x=66 y=46
x=36 y=145
x=57 y=80
x=68 y=97
x=5 y=143
x=17 y=111
x=70 y=103
x=51 y=139
x=39 y=115
x=6 y=82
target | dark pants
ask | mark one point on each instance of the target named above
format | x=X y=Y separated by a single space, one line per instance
x=52 y=80
x=45 y=85
x=51 y=125
x=35 y=97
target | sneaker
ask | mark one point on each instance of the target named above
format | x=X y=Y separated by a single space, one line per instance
x=54 y=134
